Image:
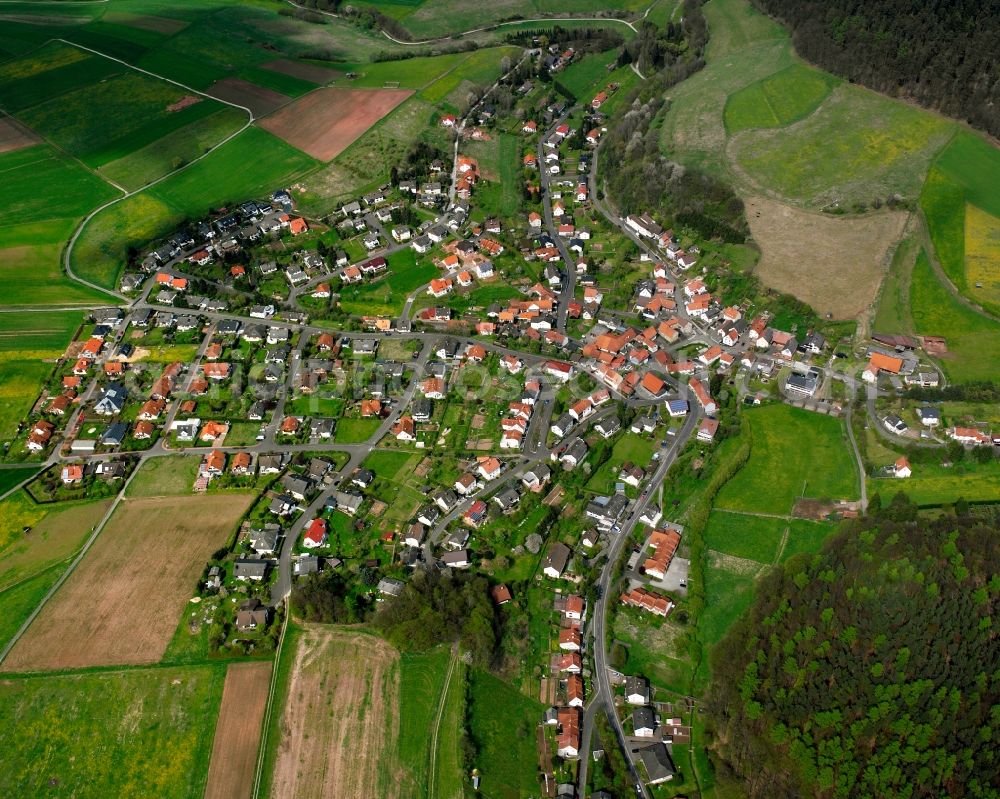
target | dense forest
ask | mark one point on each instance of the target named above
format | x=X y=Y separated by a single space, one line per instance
x=871 y=669
x=943 y=54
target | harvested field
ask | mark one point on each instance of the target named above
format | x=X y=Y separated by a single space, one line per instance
x=326 y=122
x=309 y=72
x=14 y=136
x=833 y=263
x=237 y=733
x=341 y=718
x=123 y=602
x=259 y=100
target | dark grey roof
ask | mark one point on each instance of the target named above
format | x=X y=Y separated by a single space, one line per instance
x=657 y=761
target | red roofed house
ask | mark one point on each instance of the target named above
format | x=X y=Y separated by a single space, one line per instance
x=703 y=396
x=316 y=534
x=216 y=371
x=568 y=739
x=72 y=473
x=652 y=384
x=570 y=639
x=404 y=429
x=297 y=225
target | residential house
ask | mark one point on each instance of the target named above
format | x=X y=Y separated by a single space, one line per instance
x=556 y=560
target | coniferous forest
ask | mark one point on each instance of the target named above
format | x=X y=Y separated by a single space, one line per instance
x=942 y=53
x=871 y=669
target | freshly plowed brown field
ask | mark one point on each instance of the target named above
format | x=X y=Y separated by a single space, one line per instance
x=14 y=136
x=326 y=122
x=341 y=718
x=237 y=733
x=833 y=263
x=123 y=602
x=258 y=99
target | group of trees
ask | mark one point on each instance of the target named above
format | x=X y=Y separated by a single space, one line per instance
x=871 y=669
x=943 y=55
x=442 y=607
x=640 y=177
x=976 y=391
x=417 y=164
x=326 y=598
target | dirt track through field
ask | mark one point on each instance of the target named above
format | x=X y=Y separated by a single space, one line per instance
x=237 y=733
x=258 y=99
x=15 y=136
x=341 y=718
x=833 y=263
x=326 y=122
x=124 y=601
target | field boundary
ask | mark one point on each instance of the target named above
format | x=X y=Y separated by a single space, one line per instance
x=487 y=28
x=268 y=710
x=432 y=766
x=70 y=569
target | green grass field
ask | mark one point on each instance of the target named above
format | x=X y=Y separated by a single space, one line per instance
x=31 y=268
x=974 y=164
x=11 y=477
x=212 y=182
x=480 y=68
x=794 y=453
x=41 y=185
x=387 y=463
x=973 y=340
x=173 y=150
x=655 y=649
x=53 y=70
x=221 y=177
x=70 y=728
x=411 y=73
x=355 y=431
x=727 y=596
x=934 y=485
x=18 y=601
x=482 y=296
x=856 y=146
x=20 y=382
x=448 y=773
x=630 y=447
x=38 y=334
x=169 y=476
x=110 y=119
x=893 y=312
x=779 y=99
x=502 y=724
x=760 y=538
x=55 y=532
x=588 y=76
x=389 y=295
x=963 y=216
x=421 y=680
x=30 y=563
